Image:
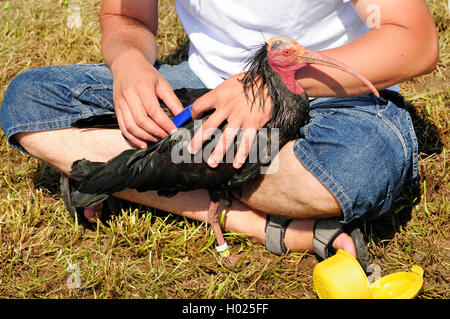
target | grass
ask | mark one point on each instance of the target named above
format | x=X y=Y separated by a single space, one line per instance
x=145 y=253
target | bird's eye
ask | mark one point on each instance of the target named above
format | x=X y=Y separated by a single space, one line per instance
x=287 y=52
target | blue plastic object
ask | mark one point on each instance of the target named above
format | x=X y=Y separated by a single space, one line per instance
x=183 y=116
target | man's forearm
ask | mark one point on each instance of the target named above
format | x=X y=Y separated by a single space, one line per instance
x=402 y=46
x=126 y=37
x=384 y=59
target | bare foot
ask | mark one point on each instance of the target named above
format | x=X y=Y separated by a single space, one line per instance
x=345 y=242
x=93 y=213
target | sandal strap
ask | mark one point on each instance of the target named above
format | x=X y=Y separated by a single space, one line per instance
x=111 y=206
x=275 y=230
x=325 y=232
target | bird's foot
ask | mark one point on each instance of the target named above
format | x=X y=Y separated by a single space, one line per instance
x=233 y=261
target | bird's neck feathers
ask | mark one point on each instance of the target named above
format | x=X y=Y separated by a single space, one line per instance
x=290 y=110
x=289 y=101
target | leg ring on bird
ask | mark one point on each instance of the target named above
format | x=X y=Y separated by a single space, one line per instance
x=223 y=250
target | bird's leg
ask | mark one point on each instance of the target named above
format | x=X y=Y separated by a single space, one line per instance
x=213 y=218
x=222 y=247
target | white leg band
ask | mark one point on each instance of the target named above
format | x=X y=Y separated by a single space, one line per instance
x=222 y=248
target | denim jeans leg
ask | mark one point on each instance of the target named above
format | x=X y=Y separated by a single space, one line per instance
x=53 y=97
x=362 y=150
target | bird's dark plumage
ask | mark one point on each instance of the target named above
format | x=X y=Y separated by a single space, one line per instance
x=289 y=111
x=153 y=168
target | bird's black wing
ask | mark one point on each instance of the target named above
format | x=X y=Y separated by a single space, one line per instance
x=165 y=166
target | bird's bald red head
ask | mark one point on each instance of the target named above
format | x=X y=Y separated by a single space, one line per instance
x=284 y=53
x=286 y=57
x=283 y=56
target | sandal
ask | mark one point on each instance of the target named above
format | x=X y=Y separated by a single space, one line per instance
x=111 y=206
x=275 y=230
x=326 y=231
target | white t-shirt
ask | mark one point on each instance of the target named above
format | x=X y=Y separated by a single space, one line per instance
x=222 y=31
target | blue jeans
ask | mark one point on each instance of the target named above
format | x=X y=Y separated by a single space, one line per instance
x=363 y=149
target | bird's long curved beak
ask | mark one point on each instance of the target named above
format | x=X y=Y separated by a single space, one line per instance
x=311 y=57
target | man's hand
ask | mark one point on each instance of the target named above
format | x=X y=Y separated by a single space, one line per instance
x=129 y=48
x=231 y=105
x=137 y=87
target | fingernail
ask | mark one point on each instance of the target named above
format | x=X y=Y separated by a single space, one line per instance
x=189 y=149
x=173 y=131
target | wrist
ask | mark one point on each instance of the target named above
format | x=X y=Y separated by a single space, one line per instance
x=127 y=57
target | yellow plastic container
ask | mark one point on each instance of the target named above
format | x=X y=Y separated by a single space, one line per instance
x=341 y=277
x=400 y=285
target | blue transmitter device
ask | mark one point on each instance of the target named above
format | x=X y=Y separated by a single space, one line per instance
x=183 y=116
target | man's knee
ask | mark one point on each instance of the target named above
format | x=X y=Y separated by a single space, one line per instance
x=292 y=190
x=319 y=199
x=20 y=92
x=304 y=190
